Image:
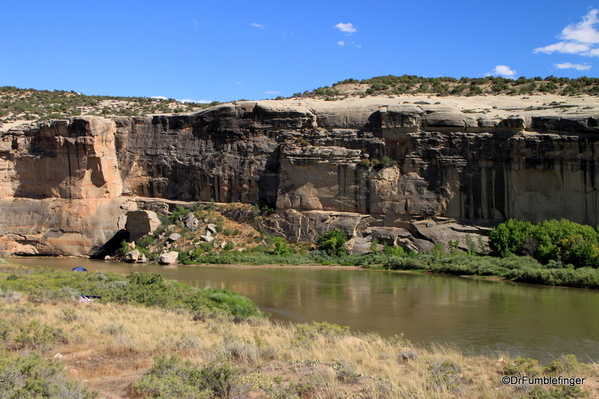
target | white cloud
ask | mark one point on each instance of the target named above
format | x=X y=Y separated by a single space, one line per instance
x=577 y=38
x=341 y=43
x=564 y=48
x=272 y=92
x=347 y=28
x=258 y=25
x=568 y=65
x=502 y=70
x=159 y=97
x=583 y=32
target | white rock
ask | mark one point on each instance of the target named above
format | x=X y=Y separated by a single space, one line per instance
x=168 y=258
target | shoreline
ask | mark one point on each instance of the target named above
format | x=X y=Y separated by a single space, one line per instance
x=493 y=278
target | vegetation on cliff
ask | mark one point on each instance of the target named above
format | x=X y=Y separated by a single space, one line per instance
x=18 y=104
x=31 y=104
x=52 y=345
x=447 y=86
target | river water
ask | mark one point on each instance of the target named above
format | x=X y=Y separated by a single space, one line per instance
x=480 y=317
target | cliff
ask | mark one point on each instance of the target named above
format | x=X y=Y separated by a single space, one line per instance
x=374 y=167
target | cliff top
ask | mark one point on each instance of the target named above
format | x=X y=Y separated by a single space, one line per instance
x=500 y=106
x=494 y=97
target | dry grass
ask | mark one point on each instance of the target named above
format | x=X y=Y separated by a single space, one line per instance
x=108 y=348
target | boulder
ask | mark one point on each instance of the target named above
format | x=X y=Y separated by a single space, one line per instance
x=207 y=237
x=211 y=228
x=192 y=222
x=140 y=223
x=168 y=258
x=174 y=237
x=132 y=256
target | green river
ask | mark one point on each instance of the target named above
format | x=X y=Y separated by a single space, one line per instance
x=480 y=317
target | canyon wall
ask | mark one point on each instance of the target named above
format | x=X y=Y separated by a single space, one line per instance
x=66 y=186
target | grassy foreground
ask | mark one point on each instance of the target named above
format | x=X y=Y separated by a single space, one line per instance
x=52 y=345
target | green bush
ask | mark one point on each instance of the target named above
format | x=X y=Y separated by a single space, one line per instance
x=523 y=366
x=567 y=364
x=556 y=392
x=387 y=162
x=36 y=335
x=552 y=240
x=178 y=213
x=145 y=241
x=32 y=376
x=148 y=289
x=173 y=378
x=281 y=247
x=333 y=242
x=306 y=333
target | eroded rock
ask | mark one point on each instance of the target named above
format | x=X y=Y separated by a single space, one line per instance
x=168 y=258
x=66 y=185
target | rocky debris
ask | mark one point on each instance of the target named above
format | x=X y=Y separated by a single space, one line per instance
x=132 y=256
x=168 y=258
x=408 y=355
x=208 y=237
x=211 y=228
x=192 y=222
x=174 y=237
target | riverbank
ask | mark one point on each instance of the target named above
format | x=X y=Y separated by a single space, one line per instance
x=120 y=349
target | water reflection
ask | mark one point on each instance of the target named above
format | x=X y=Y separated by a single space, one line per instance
x=480 y=316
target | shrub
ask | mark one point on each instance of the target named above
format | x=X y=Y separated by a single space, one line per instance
x=312 y=331
x=173 y=378
x=394 y=250
x=32 y=376
x=35 y=335
x=124 y=248
x=178 y=213
x=333 y=242
x=509 y=238
x=522 y=366
x=145 y=241
x=552 y=240
x=566 y=364
x=445 y=375
x=281 y=247
x=387 y=162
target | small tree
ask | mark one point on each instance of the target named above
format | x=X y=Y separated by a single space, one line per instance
x=333 y=242
x=281 y=247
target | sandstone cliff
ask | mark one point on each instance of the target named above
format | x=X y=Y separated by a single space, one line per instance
x=364 y=165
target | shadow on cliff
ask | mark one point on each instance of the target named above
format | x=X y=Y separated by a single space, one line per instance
x=268 y=182
x=111 y=246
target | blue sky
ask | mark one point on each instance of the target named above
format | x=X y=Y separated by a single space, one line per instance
x=228 y=50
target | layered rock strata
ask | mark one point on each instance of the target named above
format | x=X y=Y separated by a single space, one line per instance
x=66 y=186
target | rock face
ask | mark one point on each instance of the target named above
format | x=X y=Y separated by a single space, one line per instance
x=67 y=185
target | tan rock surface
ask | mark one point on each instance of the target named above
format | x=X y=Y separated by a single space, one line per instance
x=466 y=158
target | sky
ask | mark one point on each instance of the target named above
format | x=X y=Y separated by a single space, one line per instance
x=238 y=49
